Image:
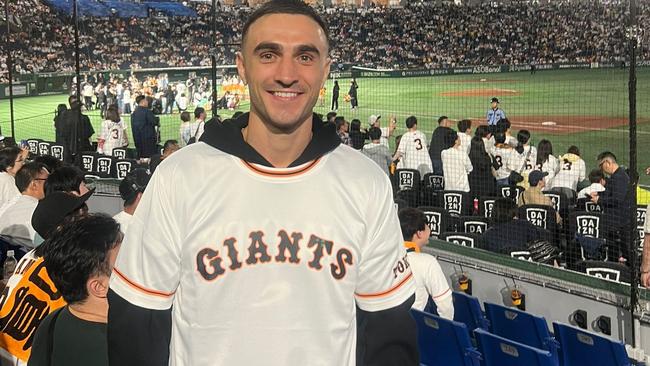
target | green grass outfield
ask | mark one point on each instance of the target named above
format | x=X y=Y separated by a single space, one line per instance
x=599 y=94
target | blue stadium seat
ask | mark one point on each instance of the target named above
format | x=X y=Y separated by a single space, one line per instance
x=467 y=310
x=443 y=342
x=499 y=351
x=521 y=327
x=579 y=347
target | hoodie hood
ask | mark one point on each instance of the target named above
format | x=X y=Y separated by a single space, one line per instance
x=570 y=157
x=227 y=136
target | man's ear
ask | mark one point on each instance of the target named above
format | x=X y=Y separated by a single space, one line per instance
x=97 y=286
x=326 y=72
x=241 y=69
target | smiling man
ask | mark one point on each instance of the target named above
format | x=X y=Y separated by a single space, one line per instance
x=257 y=245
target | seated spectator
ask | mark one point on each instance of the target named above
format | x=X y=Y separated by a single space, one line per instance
x=79 y=259
x=11 y=160
x=546 y=162
x=481 y=178
x=465 y=134
x=357 y=137
x=113 y=134
x=502 y=154
x=16 y=216
x=455 y=164
x=524 y=156
x=508 y=233
x=342 y=127
x=170 y=147
x=68 y=179
x=533 y=194
x=440 y=140
x=131 y=189
x=430 y=281
x=376 y=151
x=597 y=180
x=572 y=170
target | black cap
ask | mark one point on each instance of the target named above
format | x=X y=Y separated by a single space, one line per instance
x=135 y=182
x=495 y=100
x=54 y=208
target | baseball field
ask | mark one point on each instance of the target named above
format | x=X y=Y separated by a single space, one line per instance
x=586 y=108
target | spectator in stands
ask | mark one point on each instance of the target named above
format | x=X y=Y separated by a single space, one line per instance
x=597 y=179
x=377 y=151
x=185 y=125
x=412 y=152
x=51 y=163
x=131 y=189
x=455 y=164
x=439 y=140
x=533 y=194
x=465 y=134
x=143 y=124
x=546 y=162
x=430 y=281
x=69 y=179
x=508 y=233
x=485 y=133
x=573 y=170
x=330 y=116
x=170 y=147
x=58 y=121
x=386 y=132
x=11 y=160
x=113 y=134
x=16 y=215
x=502 y=154
x=342 y=127
x=79 y=260
x=76 y=130
x=524 y=156
x=617 y=203
x=504 y=126
x=191 y=132
x=357 y=137
x=481 y=178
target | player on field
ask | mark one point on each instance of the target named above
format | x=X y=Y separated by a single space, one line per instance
x=412 y=151
x=268 y=242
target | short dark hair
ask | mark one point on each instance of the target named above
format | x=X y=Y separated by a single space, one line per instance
x=198 y=111
x=78 y=252
x=8 y=157
x=503 y=125
x=112 y=114
x=573 y=150
x=442 y=118
x=51 y=163
x=596 y=175
x=139 y=98
x=504 y=210
x=185 y=116
x=68 y=178
x=296 y=7
x=482 y=131
x=169 y=143
x=27 y=174
x=450 y=138
x=374 y=133
x=500 y=138
x=411 y=121
x=606 y=155
x=339 y=121
x=355 y=125
x=464 y=124
x=411 y=220
x=329 y=116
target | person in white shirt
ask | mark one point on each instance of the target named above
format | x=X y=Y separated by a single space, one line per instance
x=194 y=129
x=412 y=151
x=485 y=133
x=11 y=160
x=501 y=155
x=131 y=189
x=113 y=134
x=181 y=102
x=16 y=215
x=430 y=281
x=523 y=157
x=386 y=132
x=465 y=134
x=455 y=165
x=597 y=179
x=572 y=171
x=504 y=126
x=546 y=162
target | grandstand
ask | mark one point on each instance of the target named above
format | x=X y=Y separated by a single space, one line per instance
x=562 y=73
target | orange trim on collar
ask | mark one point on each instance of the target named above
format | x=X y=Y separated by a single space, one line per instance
x=277 y=172
x=412 y=245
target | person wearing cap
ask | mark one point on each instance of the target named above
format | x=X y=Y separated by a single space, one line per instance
x=494 y=114
x=31 y=290
x=16 y=215
x=534 y=196
x=386 y=132
x=131 y=189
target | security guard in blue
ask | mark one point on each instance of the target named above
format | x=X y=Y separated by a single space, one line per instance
x=494 y=114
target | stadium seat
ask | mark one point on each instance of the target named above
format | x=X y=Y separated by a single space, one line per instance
x=406 y=179
x=467 y=310
x=44 y=148
x=87 y=160
x=411 y=196
x=586 y=223
x=119 y=153
x=443 y=342
x=540 y=216
x=474 y=224
x=58 y=151
x=584 y=204
x=455 y=202
x=499 y=351
x=471 y=240
x=512 y=192
x=105 y=166
x=434 y=182
x=123 y=167
x=521 y=327
x=640 y=215
x=485 y=205
x=592 y=248
x=437 y=218
x=579 y=347
x=519 y=254
x=563 y=199
x=400 y=204
x=32 y=144
x=606 y=270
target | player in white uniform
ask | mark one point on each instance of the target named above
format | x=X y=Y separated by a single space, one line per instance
x=227 y=259
x=412 y=151
x=113 y=133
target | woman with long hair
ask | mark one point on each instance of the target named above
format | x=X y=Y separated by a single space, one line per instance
x=11 y=160
x=546 y=162
x=357 y=137
x=523 y=158
x=481 y=178
x=113 y=133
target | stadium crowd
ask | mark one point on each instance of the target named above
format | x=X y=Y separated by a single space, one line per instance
x=419 y=35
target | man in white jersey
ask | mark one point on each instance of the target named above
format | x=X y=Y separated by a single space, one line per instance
x=228 y=260
x=412 y=151
x=386 y=132
x=465 y=134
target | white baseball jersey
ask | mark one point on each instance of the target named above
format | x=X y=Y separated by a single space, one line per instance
x=456 y=166
x=465 y=141
x=264 y=265
x=430 y=281
x=114 y=136
x=551 y=166
x=414 y=153
x=518 y=161
x=572 y=171
x=501 y=157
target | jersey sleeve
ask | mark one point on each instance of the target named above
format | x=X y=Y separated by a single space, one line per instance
x=438 y=288
x=147 y=269
x=384 y=275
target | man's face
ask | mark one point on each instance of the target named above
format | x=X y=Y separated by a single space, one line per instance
x=607 y=167
x=494 y=105
x=39 y=184
x=284 y=60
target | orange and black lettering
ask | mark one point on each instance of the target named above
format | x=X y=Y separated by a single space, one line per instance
x=257 y=247
x=320 y=244
x=232 y=253
x=214 y=261
x=338 y=270
x=292 y=245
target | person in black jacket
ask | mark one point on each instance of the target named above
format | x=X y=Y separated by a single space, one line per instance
x=335 y=96
x=439 y=142
x=76 y=130
x=143 y=126
x=357 y=137
x=354 y=101
x=58 y=122
x=481 y=179
x=508 y=233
